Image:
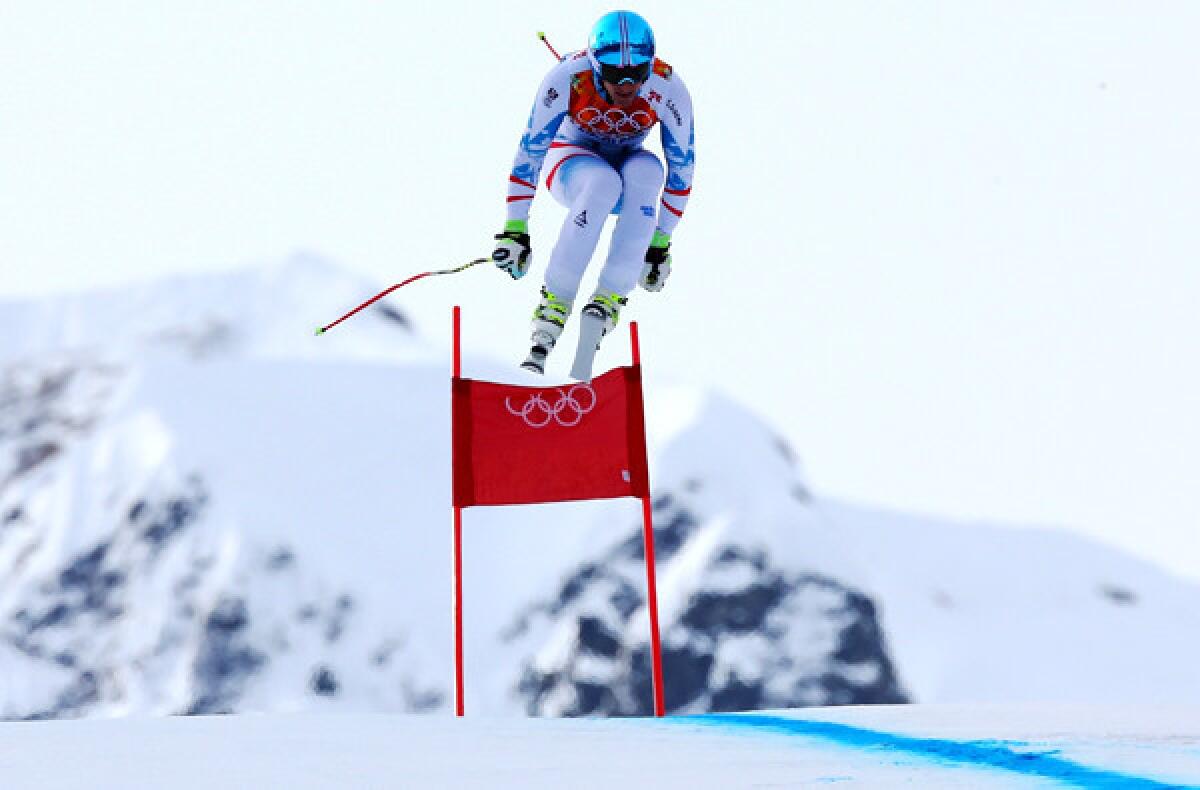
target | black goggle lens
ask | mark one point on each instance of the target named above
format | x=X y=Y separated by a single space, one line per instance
x=620 y=74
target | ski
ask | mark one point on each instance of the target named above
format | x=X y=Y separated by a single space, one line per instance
x=591 y=330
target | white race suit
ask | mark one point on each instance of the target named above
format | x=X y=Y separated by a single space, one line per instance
x=597 y=166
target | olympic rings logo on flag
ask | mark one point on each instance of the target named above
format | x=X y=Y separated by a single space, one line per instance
x=614 y=120
x=567 y=411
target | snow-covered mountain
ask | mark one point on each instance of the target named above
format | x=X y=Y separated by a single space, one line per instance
x=203 y=508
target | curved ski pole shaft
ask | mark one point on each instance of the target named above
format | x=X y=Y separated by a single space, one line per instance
x=413 y=279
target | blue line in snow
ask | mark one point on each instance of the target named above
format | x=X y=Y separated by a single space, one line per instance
x=977 y=753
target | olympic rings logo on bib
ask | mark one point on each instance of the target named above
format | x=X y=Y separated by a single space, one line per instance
x=567 y=411
x=613 y=120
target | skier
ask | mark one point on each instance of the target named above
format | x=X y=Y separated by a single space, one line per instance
x=610 y=96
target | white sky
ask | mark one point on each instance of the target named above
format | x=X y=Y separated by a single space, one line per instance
x=950 y=249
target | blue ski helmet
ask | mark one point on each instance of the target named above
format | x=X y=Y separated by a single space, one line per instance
x=621 y=47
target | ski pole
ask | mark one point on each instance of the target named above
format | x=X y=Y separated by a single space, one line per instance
x=385 y=292
x=542 y=36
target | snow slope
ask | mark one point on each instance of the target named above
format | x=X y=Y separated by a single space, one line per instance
x=205 y=508
x=880 y=746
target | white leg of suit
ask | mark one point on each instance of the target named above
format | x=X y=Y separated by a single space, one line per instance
x=590 y=188
x=642 y=179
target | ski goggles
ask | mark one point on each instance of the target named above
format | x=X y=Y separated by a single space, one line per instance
x=619 y=75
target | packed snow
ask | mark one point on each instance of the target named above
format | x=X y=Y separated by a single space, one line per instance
x=931 y=747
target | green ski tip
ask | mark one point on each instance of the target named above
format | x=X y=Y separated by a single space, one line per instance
x=320 y=330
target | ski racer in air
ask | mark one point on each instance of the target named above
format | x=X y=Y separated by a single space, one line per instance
x=591 y=115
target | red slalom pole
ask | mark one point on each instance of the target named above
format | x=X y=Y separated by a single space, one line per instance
x=652 y=605
x=458 y=619
x=648 y=541
x=381 y=294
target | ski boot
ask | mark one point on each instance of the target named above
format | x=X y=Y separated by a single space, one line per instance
x=597 y=319
x=548 y=321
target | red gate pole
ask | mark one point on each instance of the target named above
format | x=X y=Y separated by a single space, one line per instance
x=458 y=639
x=648 y=539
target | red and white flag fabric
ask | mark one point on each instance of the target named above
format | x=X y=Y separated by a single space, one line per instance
x=517 y=445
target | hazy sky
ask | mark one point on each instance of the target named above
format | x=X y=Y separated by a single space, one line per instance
x=949 y=249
